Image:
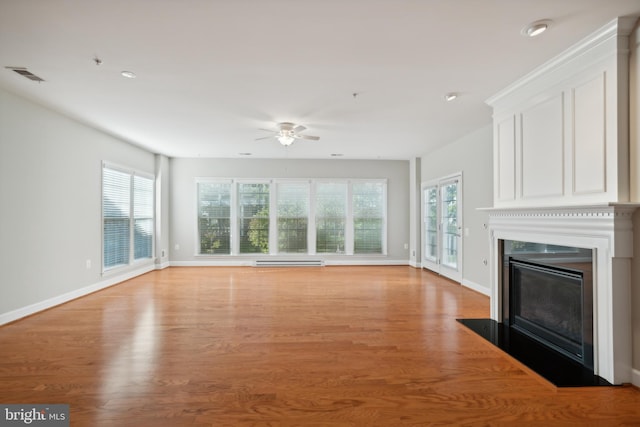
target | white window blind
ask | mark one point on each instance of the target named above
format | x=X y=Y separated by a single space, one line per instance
x=142 y=217
x=127 y=217
x=214 y=217
x=293 y=214
x=253 y=217
x=253 y=211
x=116 y=211
x=368 y=217
x=331 y=217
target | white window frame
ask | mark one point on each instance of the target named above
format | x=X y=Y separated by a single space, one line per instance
x=273 y=220
x=132 y=260
x=310 y=223
x=385 y=215
x=437 y=265
x=232 y=223
x=235 y=242
x=314 y=198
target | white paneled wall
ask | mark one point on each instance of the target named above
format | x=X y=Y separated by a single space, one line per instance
x=505 y=160
x=589 y=140
x=541 y=154
x=560 y=133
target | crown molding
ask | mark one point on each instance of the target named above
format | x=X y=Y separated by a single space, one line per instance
x=618 y=27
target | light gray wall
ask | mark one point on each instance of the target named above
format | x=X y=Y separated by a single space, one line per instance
x=473 y=156
x=415 y=250
x=50 y=195
x=634 y=143
x=162 y=211
x=183 y=198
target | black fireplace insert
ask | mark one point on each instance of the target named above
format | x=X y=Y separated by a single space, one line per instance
x=548 y=295
x=547 y=303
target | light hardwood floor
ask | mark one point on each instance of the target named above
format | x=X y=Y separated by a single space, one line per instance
x=333 y=346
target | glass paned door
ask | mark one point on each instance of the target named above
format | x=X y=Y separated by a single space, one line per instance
x=450 y=224
x=430 y=197
x=442 y=225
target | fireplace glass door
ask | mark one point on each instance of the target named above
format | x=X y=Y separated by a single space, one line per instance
x=547 y=305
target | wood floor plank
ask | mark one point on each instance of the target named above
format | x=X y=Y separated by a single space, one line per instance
x=332 y=346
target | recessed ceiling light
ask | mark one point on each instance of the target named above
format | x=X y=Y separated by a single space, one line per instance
x=336 y=155
x=244 y=154
x=450 y=96
x=128 y=74
x=536 y=28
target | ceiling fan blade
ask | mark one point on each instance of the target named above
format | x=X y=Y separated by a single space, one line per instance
x=298 y=128
x=268 y=130
x=264 y=137
x=309 y=137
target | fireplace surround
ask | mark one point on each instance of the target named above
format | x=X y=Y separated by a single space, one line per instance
x=563 y=138
x=606 y=232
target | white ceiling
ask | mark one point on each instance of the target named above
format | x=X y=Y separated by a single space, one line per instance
x=212 y=72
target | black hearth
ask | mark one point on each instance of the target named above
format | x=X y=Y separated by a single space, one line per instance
x=558 y=369
x=547 y=311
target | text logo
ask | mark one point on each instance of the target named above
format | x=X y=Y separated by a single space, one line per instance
x=40 y=415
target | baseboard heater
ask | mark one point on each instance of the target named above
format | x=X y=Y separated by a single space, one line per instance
x=289 y=263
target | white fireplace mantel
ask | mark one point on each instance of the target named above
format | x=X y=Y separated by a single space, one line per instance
x=607 y=230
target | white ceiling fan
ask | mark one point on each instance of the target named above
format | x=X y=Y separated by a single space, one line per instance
x=287 y=132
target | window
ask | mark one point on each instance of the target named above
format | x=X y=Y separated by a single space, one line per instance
x=142 y=217
x=253 y=211
x=331 y=217
x=214 y=217
x=284 y=216
x=127 y=217
x=293 y=217
x=116 y=197
x=368 y=217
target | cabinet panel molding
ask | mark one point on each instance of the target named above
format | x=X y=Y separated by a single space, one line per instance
x=542 y=145
x=588 y=137
x=572 y=142
x=506 y=159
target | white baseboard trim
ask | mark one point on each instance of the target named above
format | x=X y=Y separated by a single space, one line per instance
x=635 y=377
x=213 y=263
x=476 y=287
x=367 y=262
x=250 y=263
x=415 y=264
x=14 y=315
x=162 y=266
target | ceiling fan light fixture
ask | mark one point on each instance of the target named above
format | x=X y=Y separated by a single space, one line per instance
x=288 y=132
x=536 y=28
x=286 y=140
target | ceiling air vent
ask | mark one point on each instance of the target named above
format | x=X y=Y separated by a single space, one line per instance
x=25 y=73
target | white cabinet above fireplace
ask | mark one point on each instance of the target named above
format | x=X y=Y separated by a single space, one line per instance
x=561 y=133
